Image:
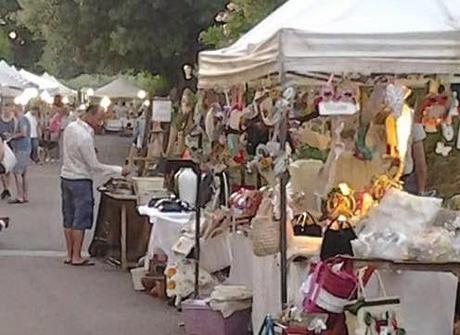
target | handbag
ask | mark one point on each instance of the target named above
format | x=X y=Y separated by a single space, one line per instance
x=245 y=202
x=9 y=159
x=337 y=242
x=216 y=251
x=374 y=316
x=306 y=224
x=265 y=233
x=331 y=286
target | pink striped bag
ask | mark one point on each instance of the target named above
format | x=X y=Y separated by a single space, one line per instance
x=332 y=286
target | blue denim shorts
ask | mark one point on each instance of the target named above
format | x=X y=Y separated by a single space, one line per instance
x=77 y=203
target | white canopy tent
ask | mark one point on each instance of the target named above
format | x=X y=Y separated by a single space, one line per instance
x=366 y=36
x=340 y=36
x=10 y=77
x=42 y=83
x=60 y=88
x=119 y=88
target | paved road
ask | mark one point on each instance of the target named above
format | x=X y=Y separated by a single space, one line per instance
x=40 y=295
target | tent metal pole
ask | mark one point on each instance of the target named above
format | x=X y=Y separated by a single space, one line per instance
x=197 y=170
x=283 y=194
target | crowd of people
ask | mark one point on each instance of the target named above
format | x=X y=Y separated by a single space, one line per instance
x=28 y=135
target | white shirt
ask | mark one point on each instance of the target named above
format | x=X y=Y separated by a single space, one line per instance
x=418 y=134
x=79 y=159
x=33 y=124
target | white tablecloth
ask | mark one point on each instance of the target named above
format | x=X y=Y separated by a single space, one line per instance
x=166 y=231
x=264 y=279
x=427 y=299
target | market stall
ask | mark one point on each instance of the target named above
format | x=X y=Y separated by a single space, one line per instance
x=119 y=95
x=371 y=38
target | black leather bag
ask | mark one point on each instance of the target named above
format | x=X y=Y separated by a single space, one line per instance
x=306 y=224
x=172 y=205
x=337 y=242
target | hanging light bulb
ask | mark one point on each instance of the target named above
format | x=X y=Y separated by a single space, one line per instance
x=141 y=94
x=146 y=103
x=90 y=92
x=31 y=92
x=13 y=35
x=105 y=102
x=46 y=97
x=65 y=100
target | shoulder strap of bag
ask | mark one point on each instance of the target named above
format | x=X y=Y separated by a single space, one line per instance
x=361 y=287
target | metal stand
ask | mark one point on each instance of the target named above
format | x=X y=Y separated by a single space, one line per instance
x=197 y=170
x=283 y=200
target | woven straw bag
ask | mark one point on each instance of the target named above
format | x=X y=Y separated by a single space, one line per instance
x=265 y=234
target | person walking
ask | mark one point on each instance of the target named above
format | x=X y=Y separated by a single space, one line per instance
x=7 y=128
x=22 y=148
x=32 y=117
x=80 y=163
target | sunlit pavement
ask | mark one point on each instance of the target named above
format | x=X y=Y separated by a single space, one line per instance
x=40 y=295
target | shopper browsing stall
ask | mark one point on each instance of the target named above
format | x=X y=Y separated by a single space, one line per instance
x=79 y=166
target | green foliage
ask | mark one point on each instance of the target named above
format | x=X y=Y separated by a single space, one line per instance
x=5 y=48
x=155 y=85
x=109 y=36
x=239 y=19
x=25 y=50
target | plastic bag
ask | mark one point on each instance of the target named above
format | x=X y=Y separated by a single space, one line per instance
x=432 y=245
x=403 y=213
x=383 y=245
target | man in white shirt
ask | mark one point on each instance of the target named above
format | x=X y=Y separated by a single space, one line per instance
x=79 y=165
x=32 y=116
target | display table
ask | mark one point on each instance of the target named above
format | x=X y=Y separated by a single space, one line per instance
x=382 y=264
x=121 y=234
x=166 y=230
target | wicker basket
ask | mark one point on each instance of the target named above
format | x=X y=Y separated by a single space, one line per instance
x=265 y=236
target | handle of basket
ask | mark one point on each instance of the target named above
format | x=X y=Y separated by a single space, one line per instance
x=215 y=232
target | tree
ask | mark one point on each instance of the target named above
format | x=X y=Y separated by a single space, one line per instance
x=23 y=49
x=87 y=36
x=236 y=19
x=5 y=48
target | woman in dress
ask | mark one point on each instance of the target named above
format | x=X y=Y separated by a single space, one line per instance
x=22 y=148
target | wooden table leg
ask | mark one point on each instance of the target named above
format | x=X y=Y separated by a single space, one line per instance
x=124 y=257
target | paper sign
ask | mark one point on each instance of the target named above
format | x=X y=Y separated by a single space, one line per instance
x=162 y=110
x=337 y=108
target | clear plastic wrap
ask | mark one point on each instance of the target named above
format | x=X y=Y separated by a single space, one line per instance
x=382 y=245
x=432 y=245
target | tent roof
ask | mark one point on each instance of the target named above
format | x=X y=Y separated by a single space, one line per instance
x=369 y=36
x=119 y=88
x=10 y=77
x=42 y=83
x=60 y=88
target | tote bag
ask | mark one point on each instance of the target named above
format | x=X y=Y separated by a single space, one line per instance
x=9 y=159
x=374 y=316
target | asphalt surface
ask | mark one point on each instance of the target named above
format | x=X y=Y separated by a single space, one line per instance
x=41 y=295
